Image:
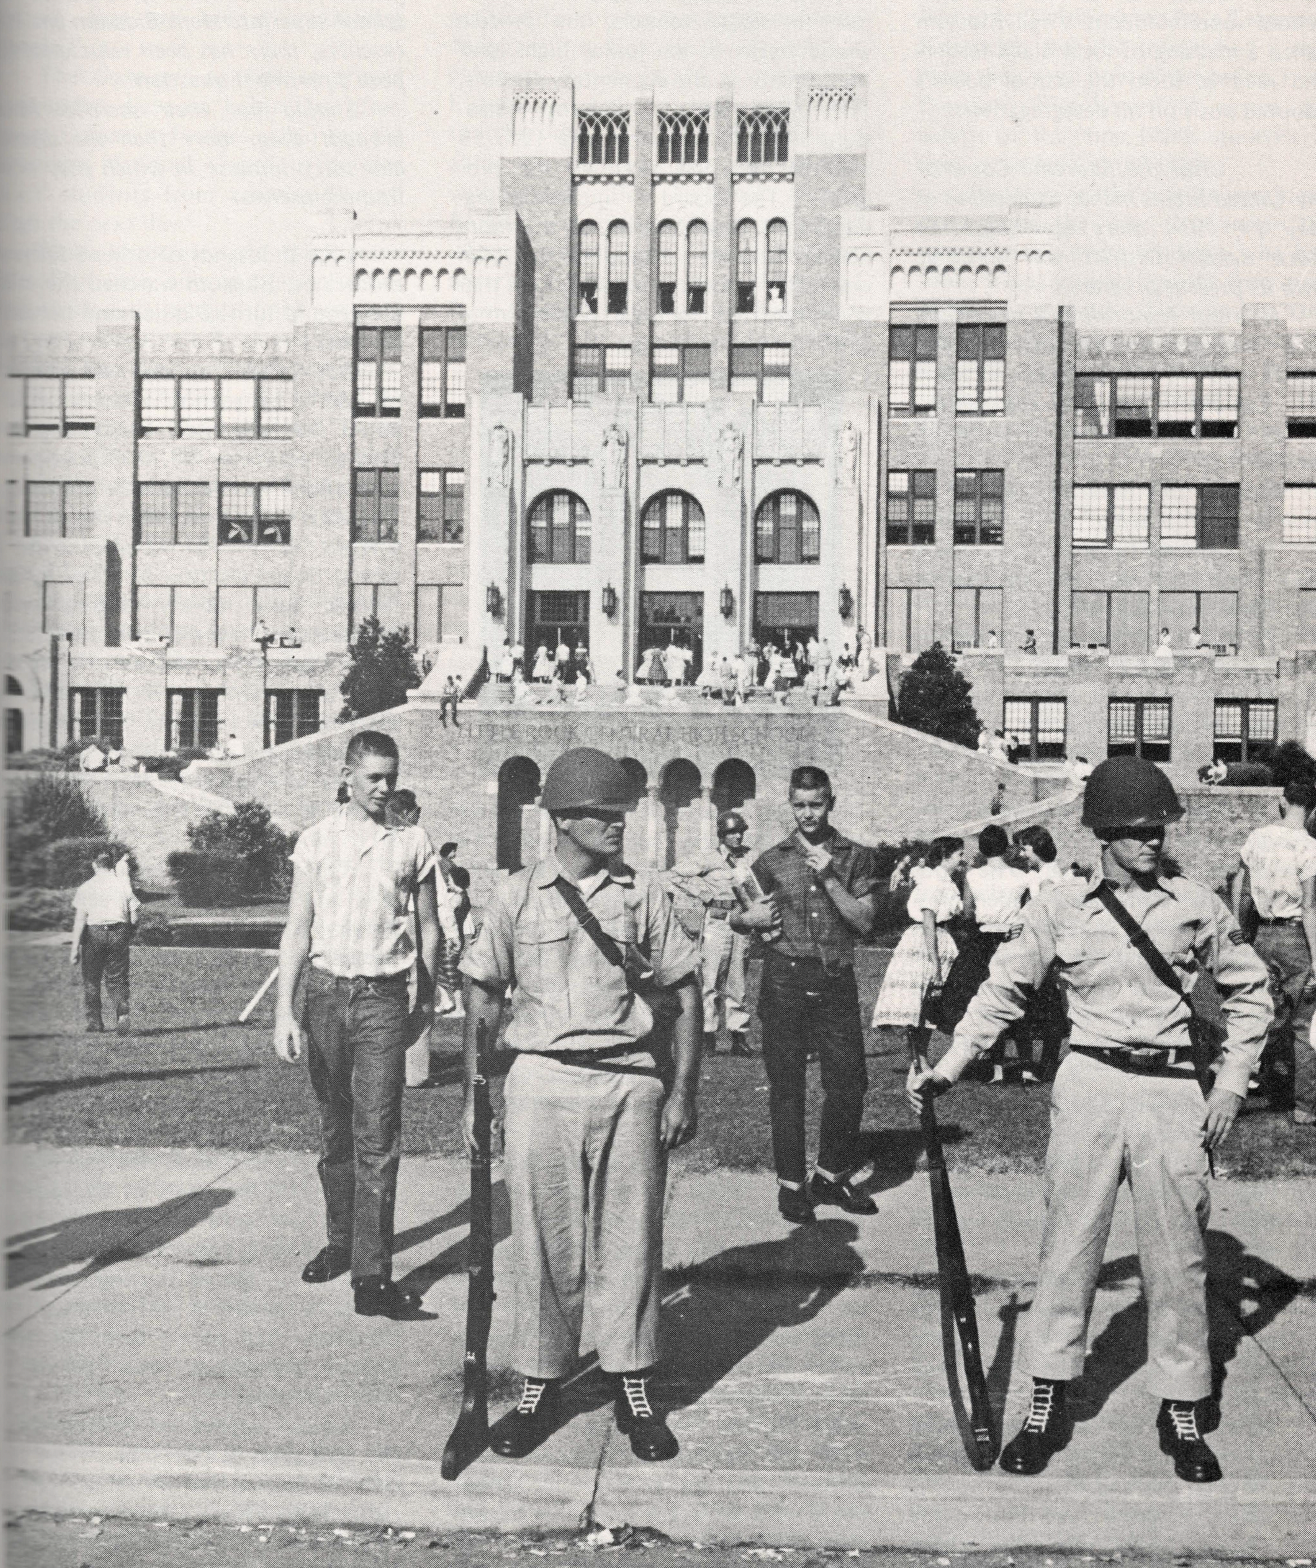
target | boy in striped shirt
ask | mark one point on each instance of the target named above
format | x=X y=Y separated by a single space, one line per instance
x=353 y=879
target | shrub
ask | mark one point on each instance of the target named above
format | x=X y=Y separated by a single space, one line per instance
x=206 y=878
x=40 y=760
x=154 y=929
x=934 y=697
x=68 y=861
x=250 y=835
x=382 y=671
x=40 y=909
x=59 y=807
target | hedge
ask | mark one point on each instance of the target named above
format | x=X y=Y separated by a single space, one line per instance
x=68 y=861
x=210 y=879
x=39 y=909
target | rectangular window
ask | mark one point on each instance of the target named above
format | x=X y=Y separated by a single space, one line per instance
x=600 y=371
x=976 y=618
x=375 y=506
x=438 y=605
x=53 y=405
x=1300 y=514
x=1199 y=517
x=979 y=506
x=61 y=609
x=603 y=137
x=275 y=402
x=980 y=370
x=1139 y=727
x=1117 y=621
x=255 y=514
x=762 y=371
x=912 y=371
x=60 y=510
x=1300 y=405
x=195 y=717
x=1168 y=407
x=291 y=714
x=680 y=374
x=443 y=372
x=1245 y=730
x=911 y=506
x=237 y=408
x=96 y=713
x=1111 y=517
x=1039 y=725
x=378 y=372
x=909 y=619
x=196 y=407
x=173 y=514
x=442 y=500
x=179 y=615
x=682 y=136
x=1211 y=616
x=763 y=136
x=159 y=406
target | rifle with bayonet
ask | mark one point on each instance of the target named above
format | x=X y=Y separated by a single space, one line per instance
x=471 y=1434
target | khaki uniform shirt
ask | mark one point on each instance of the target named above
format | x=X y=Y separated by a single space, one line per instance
x=566 y=996
x=1111 y=995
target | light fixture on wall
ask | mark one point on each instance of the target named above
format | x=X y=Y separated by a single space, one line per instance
x=727 y=603
x=608 y=598
x=493 y=600
x=845 y=603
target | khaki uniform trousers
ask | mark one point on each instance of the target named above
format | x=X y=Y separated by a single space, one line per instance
x=724 y=957
x=585 y=1176
x=1107 y=1125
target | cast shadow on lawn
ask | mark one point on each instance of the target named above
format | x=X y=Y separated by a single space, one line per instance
x=77 y=1032
x=24 y=1091
x=453 y=1259
x=896 y=1151
x=1245 y=1294
x=109 y=1236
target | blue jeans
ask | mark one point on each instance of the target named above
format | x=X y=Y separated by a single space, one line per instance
x=356 y=1052
x=105 y=956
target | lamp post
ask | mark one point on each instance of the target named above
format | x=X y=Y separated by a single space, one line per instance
x=609 y=601
x=493 y=601
x=845 y=603
x=727 y=602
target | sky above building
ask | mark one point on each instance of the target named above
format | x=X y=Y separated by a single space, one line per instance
x=173 y=156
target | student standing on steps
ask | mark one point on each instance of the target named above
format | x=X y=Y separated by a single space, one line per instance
x=1131 y=1100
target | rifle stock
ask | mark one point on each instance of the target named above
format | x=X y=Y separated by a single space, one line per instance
x=471 y=1433
x=956 y=1296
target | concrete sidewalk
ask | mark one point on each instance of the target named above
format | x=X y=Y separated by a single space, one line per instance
x=166 y=1360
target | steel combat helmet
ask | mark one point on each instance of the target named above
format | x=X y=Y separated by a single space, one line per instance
x=584 y=778
x=1129 y=792
x=731 y=822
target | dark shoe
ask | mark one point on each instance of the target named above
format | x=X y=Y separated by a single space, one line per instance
x=523 y=1429
x=1183 y=1441
x=740 y=1045
x=650 y=1436
x=327 y=1264
x=1046 y=1430
x=95 y=1029
x=793 y=1205
x=377 y=1297
x=841 y=1193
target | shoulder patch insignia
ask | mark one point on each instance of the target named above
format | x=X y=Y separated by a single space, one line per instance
x=1013 y=933
x=1237 y=937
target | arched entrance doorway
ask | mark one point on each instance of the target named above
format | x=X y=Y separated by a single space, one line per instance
x=518 y=787
x=679 y=792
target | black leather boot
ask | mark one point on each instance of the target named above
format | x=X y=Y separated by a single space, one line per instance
x=377 y=1297
x=1181 y=1438
x=1046 y=1430
x=651 y=1437
x=823 y=1190
x=523 y=1429
x=793 y=1205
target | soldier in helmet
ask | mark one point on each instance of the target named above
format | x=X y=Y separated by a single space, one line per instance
x=595 y=1098
x=1131 y=1099
x=706 y=884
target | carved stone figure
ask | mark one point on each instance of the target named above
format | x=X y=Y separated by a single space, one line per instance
x=614 y=458
x=500 y=456
x=847 y=454
x=730 y=449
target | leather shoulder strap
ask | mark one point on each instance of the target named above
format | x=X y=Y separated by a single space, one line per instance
x=1156 y=960
x=589 y=923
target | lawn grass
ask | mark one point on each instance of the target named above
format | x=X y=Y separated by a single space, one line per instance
x=191 y=1077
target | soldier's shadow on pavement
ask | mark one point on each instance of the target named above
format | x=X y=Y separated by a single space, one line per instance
x=453 y=1259
x=1244 y=1295
x=895 y=1153
x=93 y=1242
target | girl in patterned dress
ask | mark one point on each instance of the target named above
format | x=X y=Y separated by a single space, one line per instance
x=926 y=951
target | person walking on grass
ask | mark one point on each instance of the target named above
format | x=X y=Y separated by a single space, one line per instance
x=1132 y=1101
x=819 y=894
x=104 y=913
x=600 y=1090
x=350 y=913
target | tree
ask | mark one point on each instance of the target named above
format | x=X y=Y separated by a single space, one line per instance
x=934 y=697
x=382 y=672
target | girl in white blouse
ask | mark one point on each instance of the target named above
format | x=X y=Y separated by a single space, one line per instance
x=926 y=951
